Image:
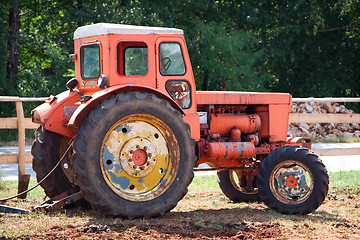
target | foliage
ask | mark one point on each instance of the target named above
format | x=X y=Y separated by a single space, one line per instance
x=305 y=47
x=235 y=56
x=309 y=51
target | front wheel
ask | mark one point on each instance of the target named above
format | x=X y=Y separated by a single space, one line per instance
x=293 y=180
x=133 y=156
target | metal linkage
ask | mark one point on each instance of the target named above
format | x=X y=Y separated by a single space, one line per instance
x=222 y=168
x=58 y=202
x=52 y=204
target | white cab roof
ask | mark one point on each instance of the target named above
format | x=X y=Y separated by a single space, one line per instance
x=110 y=28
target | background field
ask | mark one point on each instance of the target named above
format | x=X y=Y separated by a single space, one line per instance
x=204 y=213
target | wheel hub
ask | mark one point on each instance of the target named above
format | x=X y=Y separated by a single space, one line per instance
x=292 y=182
x=138 y=157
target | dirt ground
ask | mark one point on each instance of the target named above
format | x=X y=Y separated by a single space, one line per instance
x=200 y=215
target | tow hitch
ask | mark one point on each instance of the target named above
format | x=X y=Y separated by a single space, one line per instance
x=54 y=203
x=58 y=202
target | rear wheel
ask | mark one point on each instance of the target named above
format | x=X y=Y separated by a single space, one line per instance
x=293 y=180
x=47 y=149
x=238 y=186
x=133 y=156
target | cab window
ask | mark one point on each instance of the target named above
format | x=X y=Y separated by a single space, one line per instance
x=132 y=59
x=171 y=59
x=90 y=61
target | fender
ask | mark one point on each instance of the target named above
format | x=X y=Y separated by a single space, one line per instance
x=55 y=113
x=85 y=107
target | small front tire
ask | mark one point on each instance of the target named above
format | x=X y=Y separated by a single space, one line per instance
x=293 y=180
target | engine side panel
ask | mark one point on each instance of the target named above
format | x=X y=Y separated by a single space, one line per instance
x=273 y=109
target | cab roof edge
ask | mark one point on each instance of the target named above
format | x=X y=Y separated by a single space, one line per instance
x=111 y=28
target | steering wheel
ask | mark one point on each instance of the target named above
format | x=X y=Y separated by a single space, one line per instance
x=166 y=62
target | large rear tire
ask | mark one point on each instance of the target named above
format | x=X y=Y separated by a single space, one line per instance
x=47 y=149
x=133 y=156
x=293 y=180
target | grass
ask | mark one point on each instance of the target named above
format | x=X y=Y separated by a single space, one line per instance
x=1 y=179
x=207 y=182
x=345 y=182
x=200 y=183
x=345 y=178
x=203 y=213
x=335 y=140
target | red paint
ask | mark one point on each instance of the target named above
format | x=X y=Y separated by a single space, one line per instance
x=139 y=157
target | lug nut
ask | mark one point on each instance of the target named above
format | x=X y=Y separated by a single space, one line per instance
x=130 y=160
x=137 y=146
x=148 y=163
x=134 y=167
x=142 y=167
x=145 y=148
x=149 y=155
x=131 y=151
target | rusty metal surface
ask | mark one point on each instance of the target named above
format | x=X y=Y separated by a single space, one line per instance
x=59 y=201
x=224 y=123
x=227 y=150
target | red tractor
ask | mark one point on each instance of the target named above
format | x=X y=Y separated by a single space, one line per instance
x=132 y=127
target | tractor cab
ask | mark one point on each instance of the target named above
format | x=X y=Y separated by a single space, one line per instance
x=117 y=56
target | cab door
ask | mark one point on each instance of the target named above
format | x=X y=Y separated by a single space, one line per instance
x=174 y=72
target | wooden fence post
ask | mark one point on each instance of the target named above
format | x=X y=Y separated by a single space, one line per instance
x=24 y=179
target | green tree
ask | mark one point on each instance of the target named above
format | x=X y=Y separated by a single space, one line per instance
x=308 y=50
x=305 y=47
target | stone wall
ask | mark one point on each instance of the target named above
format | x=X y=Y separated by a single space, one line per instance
x=323 y=130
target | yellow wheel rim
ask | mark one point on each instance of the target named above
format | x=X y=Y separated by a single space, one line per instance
x=139 y=157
